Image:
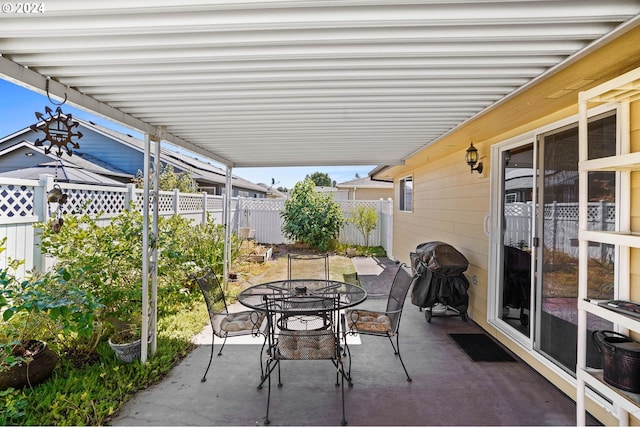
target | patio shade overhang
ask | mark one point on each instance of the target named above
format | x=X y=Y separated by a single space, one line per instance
x=267 y=83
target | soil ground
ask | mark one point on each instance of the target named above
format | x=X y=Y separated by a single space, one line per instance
x=252 y=272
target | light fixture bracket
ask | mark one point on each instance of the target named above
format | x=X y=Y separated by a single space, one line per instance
x=471 y=158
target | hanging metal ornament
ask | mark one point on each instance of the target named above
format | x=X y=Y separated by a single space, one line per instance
x=55 y=195
x=59 y=129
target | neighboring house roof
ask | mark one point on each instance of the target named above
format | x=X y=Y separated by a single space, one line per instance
x=202 y=171
x=77 y=160
x=210 y=172
x=273 y=192
x=365 y=182
x=65 y=172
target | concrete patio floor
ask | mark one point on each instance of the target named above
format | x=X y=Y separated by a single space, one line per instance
x=448 y=388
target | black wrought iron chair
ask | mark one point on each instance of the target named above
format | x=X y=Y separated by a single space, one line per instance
x=298 y=330
x=224 y=323
x=382 y=323
x=300 y=266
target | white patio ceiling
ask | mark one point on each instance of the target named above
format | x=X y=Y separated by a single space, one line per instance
x=293 y=83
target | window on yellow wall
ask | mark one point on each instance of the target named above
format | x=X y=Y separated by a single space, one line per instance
x=406 y=194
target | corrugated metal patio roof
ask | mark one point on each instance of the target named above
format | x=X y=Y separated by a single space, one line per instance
x=297 y=83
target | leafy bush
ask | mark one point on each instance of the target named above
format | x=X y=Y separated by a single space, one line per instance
x=365 y=219
x=102 y=264
x=90 y=395
x=44 y=308
x=310 y=217
x=107 y=260
x=203 y=245
x=170 y=180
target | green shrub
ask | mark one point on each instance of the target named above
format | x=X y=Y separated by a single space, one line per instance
x=365 y=219
x=44 y=307
x=103 y=265
x=107 y=260
x=310 y=217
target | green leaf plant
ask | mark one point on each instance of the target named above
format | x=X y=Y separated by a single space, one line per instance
x=44 y=307
x=365 y=219
x=106 y=259
x=310 y=217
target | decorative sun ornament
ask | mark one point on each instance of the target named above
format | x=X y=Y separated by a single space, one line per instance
x=59 y=130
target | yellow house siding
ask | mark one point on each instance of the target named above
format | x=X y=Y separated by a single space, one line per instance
x=450 y=203
x=371 y=194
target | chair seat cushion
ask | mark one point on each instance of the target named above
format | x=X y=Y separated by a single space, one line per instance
x=242 y=321
x=306 y=345
x=368 y=321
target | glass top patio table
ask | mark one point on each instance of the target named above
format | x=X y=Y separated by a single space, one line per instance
x=349 y=294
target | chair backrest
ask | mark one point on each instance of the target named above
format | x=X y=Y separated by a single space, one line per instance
x=308 y=266
x=303 y=327
x=211 y=289
x=397 y=296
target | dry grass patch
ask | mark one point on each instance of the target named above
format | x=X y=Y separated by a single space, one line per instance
x=252 y=273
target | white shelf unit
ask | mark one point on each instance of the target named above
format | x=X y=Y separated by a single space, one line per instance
x=622 y=90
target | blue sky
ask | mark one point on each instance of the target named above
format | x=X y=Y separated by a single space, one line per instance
x=17 y=111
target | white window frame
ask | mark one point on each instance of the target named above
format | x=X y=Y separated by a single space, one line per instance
x=402 y=200
x=526 y=343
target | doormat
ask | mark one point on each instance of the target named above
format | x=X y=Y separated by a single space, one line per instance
x=481 y=348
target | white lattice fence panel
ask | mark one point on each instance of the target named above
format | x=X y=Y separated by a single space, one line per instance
x=518 y=219
x=348 y=206
x=610 y=213
x=16 y=200
x=108 y=202
x=165 y=202
x=262 y=204
x=560 y=211
x=517 y=209
x=138 y=200
x=190 y=202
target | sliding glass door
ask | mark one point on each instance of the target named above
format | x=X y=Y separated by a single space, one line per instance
x=519 y=180
x=538 y=253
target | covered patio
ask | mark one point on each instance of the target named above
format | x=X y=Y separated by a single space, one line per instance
x=270 y=83
x=448 y=387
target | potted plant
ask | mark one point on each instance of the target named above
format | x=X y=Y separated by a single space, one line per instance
x=127 y=345
x=36 y=311
x=125 y=318
x=26 y=362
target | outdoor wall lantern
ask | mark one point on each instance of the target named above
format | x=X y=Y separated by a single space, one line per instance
x=472 y=158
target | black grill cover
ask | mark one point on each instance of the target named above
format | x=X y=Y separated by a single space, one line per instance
x=438 y=276
x=442 y=258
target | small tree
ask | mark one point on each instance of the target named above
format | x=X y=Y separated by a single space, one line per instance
x=365 y=220
x=321 y=179
x=311 y=217
x=170 y=180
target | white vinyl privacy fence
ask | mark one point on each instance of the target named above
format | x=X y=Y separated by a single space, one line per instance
x=263 y=216
x=560 y=224
x=23 y=204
